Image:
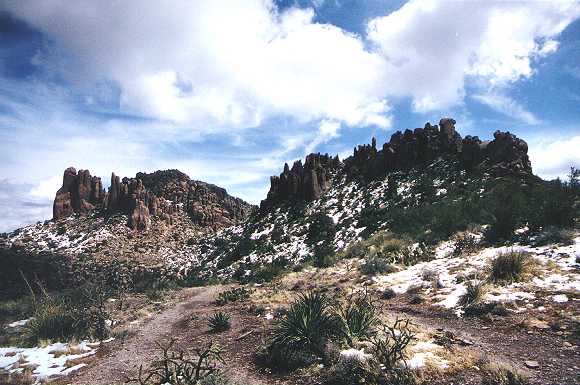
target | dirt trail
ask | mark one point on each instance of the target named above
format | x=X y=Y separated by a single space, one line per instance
x=558 y=358
x=122 y=359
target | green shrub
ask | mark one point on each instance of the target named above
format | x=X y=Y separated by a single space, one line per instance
x=358 y=318
x=238 y=294
x=389 y=293
x=465 y=245
x=52 y=320
x=219 y=322
x=376 y=265
x=269 y=272
x=307 y=325
x=77 y=314
x=410 y=256
x=510 y=266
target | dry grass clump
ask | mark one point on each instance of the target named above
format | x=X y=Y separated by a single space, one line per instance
x=502 y=374
x=475 y=290
x=23 y=378
x=512 y=266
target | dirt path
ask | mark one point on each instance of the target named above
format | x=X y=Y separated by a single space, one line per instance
x=121 y=359
x=558 y=358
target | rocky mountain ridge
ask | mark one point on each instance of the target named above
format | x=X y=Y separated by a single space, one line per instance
x=430 y=176
x=505 y=154
x=161 y=193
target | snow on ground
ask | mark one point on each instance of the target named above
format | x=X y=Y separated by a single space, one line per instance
x=558 y=265
x=425 y=353
x=48 y=361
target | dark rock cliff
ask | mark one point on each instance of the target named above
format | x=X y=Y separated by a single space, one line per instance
x=161 y=194
x=505 y=154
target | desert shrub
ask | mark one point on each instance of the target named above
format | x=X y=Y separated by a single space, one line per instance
x=323 y=255
x=482 y=308
x=179 y=367
x=376 y=265
x=465 y=244
x=17 y=378
x=403 y=376
x=389 y=346
x=354 y=250
x=412 y=255
x=76 y=314
x=358 y=318
x=553 y=235
x=219 y=322
x=510 y=266
x=52 y=319
x=474 y=293
x=306 y=327
x=16 y=308
x=353 y=370
x=270 y=271
x=237 y=294
x=320 y=237
x=389 y=293
x=507 y=204
x=554 y=203
x=502 y=374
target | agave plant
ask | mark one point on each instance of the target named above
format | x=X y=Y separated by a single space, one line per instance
x=308 y=323
x=358 y=318
x=219 y=322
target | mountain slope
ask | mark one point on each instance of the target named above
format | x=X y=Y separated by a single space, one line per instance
x=427 y=184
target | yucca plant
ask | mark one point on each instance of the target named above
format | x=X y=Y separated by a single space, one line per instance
x=219 y=322
x=358 y=318
x=475 y=290
x=308 y=323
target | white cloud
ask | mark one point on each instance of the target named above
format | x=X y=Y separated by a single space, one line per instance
x=219 y=62
x=507 y=106
x=553 y=158
x=432 y=48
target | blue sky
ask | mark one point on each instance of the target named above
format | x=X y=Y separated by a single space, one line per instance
x=229 y=91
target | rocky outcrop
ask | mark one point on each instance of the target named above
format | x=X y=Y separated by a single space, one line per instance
x=301 y=182
x=413 y=148
x=80 y=193
x=505 y=154
x=162 y=194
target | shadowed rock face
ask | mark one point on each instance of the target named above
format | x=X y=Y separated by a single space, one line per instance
x=302 y=182
x=505 y=154
x=162 y=194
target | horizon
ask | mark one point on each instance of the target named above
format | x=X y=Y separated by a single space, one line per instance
x=228 y=94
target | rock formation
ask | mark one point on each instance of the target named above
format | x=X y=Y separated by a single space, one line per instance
x=162 y=193
x=302 y=182
x=80 y=192
x=412 y=148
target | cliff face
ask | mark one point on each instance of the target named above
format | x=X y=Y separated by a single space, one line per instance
x=161 y=194
x=302 y=182
x=505 y=154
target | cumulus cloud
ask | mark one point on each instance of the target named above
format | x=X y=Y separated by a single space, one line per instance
x=553 y=158
x=217 y=62
x=432 y=48
x=233 y=64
